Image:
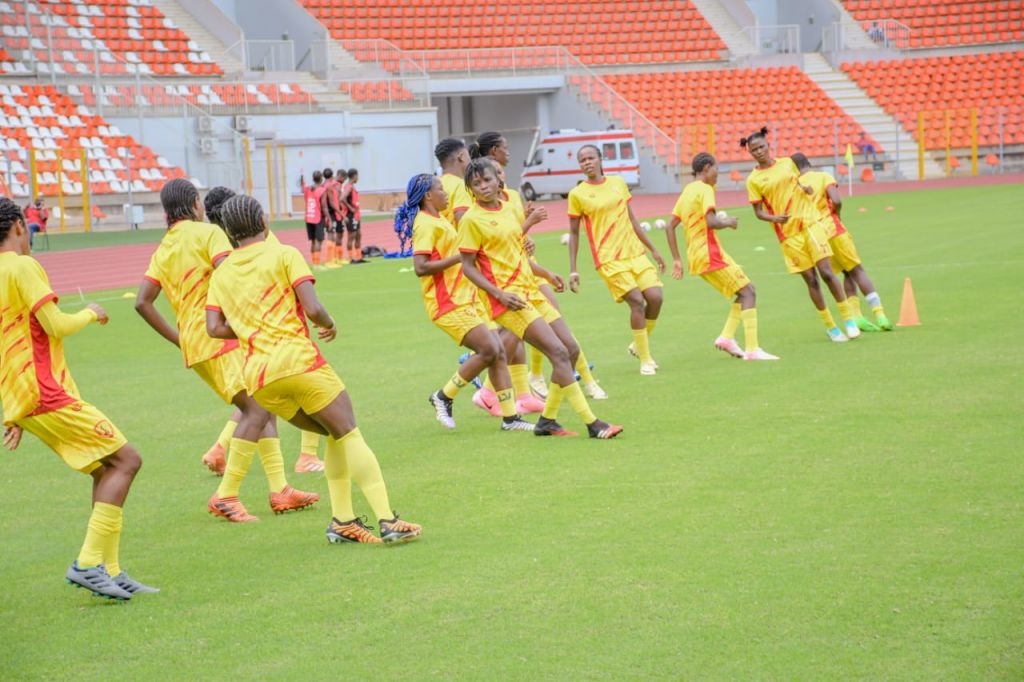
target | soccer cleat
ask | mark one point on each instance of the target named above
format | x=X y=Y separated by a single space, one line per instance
x=442 y=408
x=594 y=392
x=631 y=349
x=549 y=427
x=603 y=430
x=729 y=346
x=529 y=404
x=487 y=400
x=290 y=499
x=397 y=530
x=884 y=323
x=214 y=459
x=539 y=386
x=308 y=464
x=230 y=508
x=836 y=336
x=866 y=325
x=759 y=354
x=476 y=380
x=332 y=265
x=648 y=369
x=352 y=531
x=852 y=330
x=96 y=580
x=133 y=586
x=515 y=423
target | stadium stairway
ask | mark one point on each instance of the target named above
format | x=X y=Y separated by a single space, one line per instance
x=229 y=63
x=871 y=117
x=854 y=35
x=731 y=33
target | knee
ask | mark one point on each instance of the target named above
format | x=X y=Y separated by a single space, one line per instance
x=635 y=301
x=654 y=297
x=573 y=350
x=560 y=354
x=491 y=352
x=127 y=460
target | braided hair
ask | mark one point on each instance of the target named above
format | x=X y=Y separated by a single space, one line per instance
x=485 y=142
x=701 y=161
x=213 y=202
x=415 y=192
x=762 y=133
x=179 y=198
x=243 y=217
x=476 y=168
x=447 y=148
x=10 y=213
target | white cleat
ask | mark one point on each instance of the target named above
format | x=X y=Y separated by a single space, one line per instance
x=538 y=386
x=631 y=349
x=852 y=330
x=836 y=336
x=759 y=354
x=648 y=369
x=594 y=392
x=729 y=346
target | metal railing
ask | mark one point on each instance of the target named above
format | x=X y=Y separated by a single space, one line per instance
x=889 y=33
x=777 y=39
x=269 y=55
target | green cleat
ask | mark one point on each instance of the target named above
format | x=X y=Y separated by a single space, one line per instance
x=865 y=325
x=884 y=323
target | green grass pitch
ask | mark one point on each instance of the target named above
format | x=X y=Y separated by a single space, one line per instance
x=853 y=511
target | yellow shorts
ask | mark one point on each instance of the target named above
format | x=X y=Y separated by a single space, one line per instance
x=844 y=253
x=459 y=322
x=79 y=433
x=223 y=374
x=804 y=249
x=537 y=307
x=484 y=312
x=728 y=280
x=622 y=276
x=309 y=392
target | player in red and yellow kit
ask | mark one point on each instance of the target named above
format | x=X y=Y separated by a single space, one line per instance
x=451 y=153
x=619 y=248
x=39 y=396
x=491 y=242
x=284 y=370
x=695 y=210
x=774 y=189
x=827 y=205
x=181 y=267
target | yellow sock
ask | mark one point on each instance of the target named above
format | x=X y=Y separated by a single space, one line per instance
x=643 y=347
x=583 y=367
x=507 y=402
x=365 y=471
x=826 y=317
x=224 y=439
x=579 y=401
x=339 y=482
x=553 y=402
x=310 y=443
x=454 y=385
x=273 y=463
x=749 y=329
x=536 y=361
x=650 y=326
x=731 y=322
x=520 y=379
x=112 y=549
x=854 y=303
x=240 y=456
x=104 y=522
x=845 y=311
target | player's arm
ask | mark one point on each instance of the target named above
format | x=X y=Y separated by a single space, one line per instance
x=766 y=216
x=306 y=293
x=537 y=215
x=835 y=199
x=424 y=267
x=574 y=247
x=553 y=278
x=716 y=223
x=59 y=324
x=345 y=195
x=644 y=239
x=673 y=247
x=149 y=291
x=473 y=274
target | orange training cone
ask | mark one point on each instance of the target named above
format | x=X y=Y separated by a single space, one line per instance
x=908 y=308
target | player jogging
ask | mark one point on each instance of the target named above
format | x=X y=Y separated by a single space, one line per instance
x=619 y=248
x=311 y=197
x=284 y=369
x=695 y=209
x=39 y=396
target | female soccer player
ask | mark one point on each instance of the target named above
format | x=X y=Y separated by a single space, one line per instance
x=181 y=268
x=828 y=204
x=312 y=197
x=695 y=209
x=39 y=396
x=451 y=153
x=354 y=216
x=774 y=189
x=491 y=242
x=450 y=301
x=619 y=248
x=284 y=369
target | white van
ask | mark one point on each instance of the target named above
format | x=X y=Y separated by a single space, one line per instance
x=551 y=167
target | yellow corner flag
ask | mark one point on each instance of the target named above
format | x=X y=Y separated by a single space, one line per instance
x=849 y=157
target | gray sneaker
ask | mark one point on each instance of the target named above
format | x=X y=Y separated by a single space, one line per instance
x=96 y=580
x=133 y=586
x=516 y=423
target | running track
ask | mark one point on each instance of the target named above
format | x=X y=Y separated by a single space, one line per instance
x=115 y=267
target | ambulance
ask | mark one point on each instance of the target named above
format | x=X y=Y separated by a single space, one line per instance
x=551 y=166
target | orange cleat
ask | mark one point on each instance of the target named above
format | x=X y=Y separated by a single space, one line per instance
x=355 y=530
x=290 y=499
x=308 y=464
x=230 y=508
x=397 y=530
x=215 y=460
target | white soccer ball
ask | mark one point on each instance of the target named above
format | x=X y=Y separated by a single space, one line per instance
x=660 y=224
x=722 y=215
x=646 y=226
x=565 y=238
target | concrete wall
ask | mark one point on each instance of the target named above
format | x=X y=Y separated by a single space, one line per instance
x=810 y=15
x=270 y=19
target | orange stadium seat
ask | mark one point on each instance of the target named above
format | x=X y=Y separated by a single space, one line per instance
x=950 y=22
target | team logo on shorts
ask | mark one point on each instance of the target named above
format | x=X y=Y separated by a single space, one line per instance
x=104 y=429
x=77 y=407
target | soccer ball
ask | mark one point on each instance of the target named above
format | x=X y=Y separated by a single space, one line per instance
x=660 y=224
x=722 y=215
x=646 y=226
x=565 y=238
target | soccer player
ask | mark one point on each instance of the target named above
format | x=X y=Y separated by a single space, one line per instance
x=341 y=181
x=181 y=267
x=314 y=215
x=350 y=196
x=331 y=212
x=695 y=209
x=829 y=204
x=284 y=369
x=619 y=247
x=450 y=301
x=39 y=396
x=491 y=243
x=774 y=189
x=453 y=156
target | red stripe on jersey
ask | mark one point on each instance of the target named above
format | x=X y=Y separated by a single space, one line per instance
x=52 y=395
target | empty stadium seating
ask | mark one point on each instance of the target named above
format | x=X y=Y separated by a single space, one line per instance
x=989 y=82
x=212 y=96
x=605 y=32
x=950 y=22
x=121 y=37
x=377 y=91
x=42 y=118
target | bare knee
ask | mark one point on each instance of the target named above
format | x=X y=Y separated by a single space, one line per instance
x=560 y=354
x=492 y=351
x=126 y=460
x=654 y=297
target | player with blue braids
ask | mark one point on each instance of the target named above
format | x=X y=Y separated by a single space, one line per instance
x=450 y=300
x=417 y=188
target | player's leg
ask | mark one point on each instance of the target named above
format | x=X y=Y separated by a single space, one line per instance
x=283 y=497
x=640 y=347
x=824 y=268
x=308 y=461
x=487 y=397
x=867 y=287
x=810 y=277
x=487 y=352
x=746 y=299
x=536 y=378
x=216 y=457
x=358 y=242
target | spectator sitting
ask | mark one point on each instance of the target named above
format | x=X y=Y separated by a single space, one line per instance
x=865 y=147
x=36 y=215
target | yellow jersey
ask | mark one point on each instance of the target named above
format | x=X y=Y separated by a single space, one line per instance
x=778 y=188
x=820 y=181
x=513 y=197
x=459 y=198
x=703 y=253
x=34 y=376
x=443 y=292
x=254 y=288
x=495 y=235
x=182 y=266
x=604 y=209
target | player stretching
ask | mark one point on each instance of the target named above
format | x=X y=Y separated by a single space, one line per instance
x=181 y=267
x=491 y=242
x=774 y=189
x=619 y=247
x=284 y=369
x=39 y=396
x=828 y=205
x=695 y=209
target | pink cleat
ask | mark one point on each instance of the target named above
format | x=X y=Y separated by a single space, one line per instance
x=487 y=400
x=529 y=404
x=729 y=346
x=759 y=354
